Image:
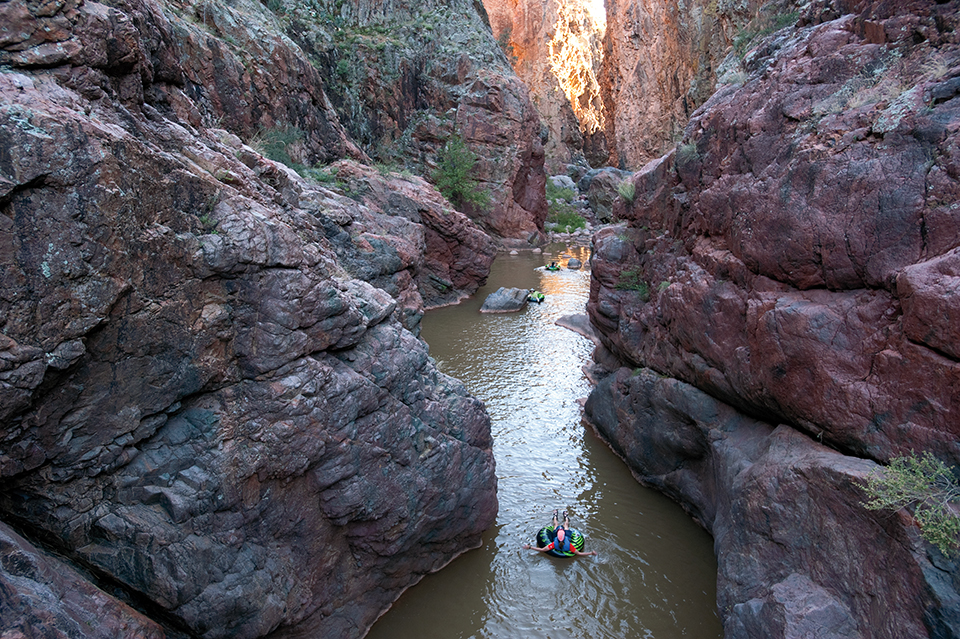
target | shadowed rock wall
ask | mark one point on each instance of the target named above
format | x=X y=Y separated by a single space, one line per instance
x=203 y=404
x=785 y=261
x=406 y=77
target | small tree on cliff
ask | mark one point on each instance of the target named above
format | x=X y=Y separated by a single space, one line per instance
x=454 y=175
x=927 y=484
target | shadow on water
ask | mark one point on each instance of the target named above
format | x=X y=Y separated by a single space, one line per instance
x=655 y=575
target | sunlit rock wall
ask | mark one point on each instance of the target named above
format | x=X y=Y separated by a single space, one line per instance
x=525 y=30
x=631 y=73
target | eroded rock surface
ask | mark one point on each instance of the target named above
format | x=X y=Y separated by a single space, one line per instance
x=202 y=399
x=798 y=554
x=408 y=76
x=794 y=259
x=40 y=594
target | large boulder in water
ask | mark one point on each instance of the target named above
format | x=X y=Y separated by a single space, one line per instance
x=505 y=300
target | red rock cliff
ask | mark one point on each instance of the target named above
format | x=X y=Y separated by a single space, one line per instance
x=784 y=297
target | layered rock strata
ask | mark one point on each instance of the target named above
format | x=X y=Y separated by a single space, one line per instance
x=782 y=299
x=203 y=404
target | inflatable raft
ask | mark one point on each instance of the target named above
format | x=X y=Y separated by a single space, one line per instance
x=545 y=536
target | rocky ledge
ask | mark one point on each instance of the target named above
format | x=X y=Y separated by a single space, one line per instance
x=778 y=316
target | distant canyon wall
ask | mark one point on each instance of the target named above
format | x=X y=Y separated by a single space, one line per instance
x=616 y=89
x=779 y=317
x=525 y=31
x=660 y=63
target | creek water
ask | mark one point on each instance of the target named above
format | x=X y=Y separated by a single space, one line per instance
x=655 y=576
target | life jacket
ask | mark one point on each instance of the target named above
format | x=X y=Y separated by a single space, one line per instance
x=562 y=546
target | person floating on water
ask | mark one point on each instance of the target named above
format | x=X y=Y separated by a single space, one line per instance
x=562 y=543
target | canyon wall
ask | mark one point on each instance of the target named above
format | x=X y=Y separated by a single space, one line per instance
x=660 y=63
x=617 y=90
x=779 y=316
x=216 y=418
x=407 y=77
x=526 y=30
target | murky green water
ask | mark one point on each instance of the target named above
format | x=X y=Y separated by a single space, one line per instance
x=655 y=575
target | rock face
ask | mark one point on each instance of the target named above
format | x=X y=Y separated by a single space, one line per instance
x=526 y=30
x=398 y=233
x=798 y=555
x=406 y=77
x=618 y=89
x=40 y=594
x=660 y=63
x=505 y=300
x=601 y=186
x=202 y=402
x=795 y=259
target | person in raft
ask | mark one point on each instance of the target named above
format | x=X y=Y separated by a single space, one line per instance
x=561 y=540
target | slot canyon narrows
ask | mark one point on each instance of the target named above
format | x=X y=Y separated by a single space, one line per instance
x=226 y=230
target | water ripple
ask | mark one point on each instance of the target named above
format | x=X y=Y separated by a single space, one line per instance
x=655 y=575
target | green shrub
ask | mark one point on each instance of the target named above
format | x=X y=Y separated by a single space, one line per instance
x=453 y=177
x=560 y=215
x=564 y=217
x=274 y=142
x=506 y=47
x=768 y=21
x=323 y=175
x=627 y=191
x=785 y=19
x=927 y=484
x=555 y=192
x=630 y=280
x=687 y=152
